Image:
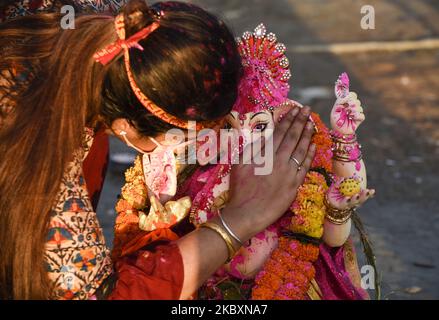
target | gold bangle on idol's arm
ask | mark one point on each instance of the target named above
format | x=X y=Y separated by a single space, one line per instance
x=223 y=234
x=343 y=146
x=337 y=216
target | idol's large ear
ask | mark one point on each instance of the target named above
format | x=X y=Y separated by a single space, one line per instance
x=283 y=109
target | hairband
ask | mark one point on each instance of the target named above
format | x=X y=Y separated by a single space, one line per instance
x=106 y=55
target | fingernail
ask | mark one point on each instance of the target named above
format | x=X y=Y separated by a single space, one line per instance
x=309 y=125
x=313 y=147
x=306 y=111
x=295 y=111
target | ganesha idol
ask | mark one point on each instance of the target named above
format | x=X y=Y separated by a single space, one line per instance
x=308 y=253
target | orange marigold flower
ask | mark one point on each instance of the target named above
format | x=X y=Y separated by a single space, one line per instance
x=282 y=257
x=135 y=193
x=292 y=291
x=310 y=253
x=275 y=267
x=123 y=206
x=298 y=279
x=262 y=293
x=322 y=140
x=269 y=280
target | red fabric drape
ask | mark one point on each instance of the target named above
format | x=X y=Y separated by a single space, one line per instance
x=154 y=274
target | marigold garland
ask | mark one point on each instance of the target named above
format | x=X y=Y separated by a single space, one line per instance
x=322 y=139
x=134 y=199
x=309 y=208
x=295 y=260
x=288 y=272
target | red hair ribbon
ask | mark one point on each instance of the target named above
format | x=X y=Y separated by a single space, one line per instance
x=106 y=55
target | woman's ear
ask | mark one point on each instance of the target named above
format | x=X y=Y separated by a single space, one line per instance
x=121 y=127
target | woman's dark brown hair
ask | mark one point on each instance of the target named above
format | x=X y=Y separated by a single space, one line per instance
x=189 y=63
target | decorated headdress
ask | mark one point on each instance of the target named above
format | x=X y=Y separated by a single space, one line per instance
x=264 y=85
x=110 y=52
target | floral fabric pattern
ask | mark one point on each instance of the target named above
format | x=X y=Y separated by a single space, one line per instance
x=26 y=7
x=76 y=255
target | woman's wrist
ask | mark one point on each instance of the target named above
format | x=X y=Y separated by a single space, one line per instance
x=228 y=240
x=229 y=230
x=239 y=223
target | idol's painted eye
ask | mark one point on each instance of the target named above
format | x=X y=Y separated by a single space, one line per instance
x=261 y=126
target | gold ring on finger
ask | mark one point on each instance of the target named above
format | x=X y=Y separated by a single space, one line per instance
x=299 y=165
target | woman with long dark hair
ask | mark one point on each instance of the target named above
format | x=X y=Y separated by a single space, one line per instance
x=183 y=65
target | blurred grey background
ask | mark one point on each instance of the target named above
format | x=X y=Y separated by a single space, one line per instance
x=398 y=83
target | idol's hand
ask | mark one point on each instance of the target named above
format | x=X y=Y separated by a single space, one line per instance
x=346 y=193
x=257 y=201
x=347 y=114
